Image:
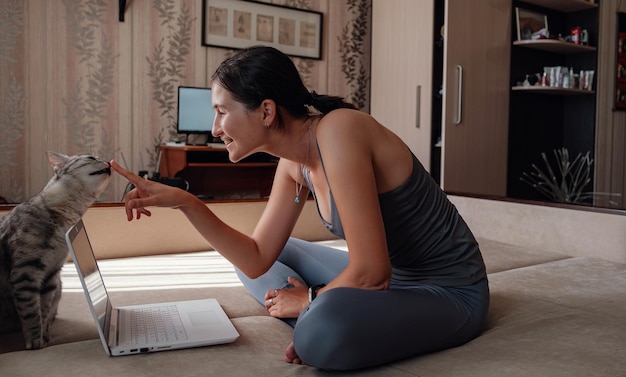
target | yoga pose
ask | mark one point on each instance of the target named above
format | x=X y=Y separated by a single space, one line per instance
x=413 y=280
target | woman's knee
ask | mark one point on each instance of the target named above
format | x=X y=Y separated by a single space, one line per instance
x=325 y=336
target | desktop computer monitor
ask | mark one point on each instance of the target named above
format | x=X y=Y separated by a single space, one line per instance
x=195 y=111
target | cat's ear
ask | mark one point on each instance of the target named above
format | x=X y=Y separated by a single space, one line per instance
x=57 y=160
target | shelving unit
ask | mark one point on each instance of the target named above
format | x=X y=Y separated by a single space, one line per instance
x=553 y=90
x=566 y=6
x=545 y=118
x=554 y=45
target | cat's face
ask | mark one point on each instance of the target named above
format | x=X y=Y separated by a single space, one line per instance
x=86 y=171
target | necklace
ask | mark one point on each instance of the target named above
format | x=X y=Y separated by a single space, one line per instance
x=308 y=148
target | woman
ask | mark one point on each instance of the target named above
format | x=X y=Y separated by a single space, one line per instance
x=413 y=280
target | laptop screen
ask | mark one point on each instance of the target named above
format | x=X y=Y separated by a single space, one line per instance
x=89 y=272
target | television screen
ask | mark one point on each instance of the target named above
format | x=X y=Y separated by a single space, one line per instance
x=195 y=110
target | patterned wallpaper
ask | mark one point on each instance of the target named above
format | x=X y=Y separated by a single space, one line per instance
x=12 y=97
x=73 y=79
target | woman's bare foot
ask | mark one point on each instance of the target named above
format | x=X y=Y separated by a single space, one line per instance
x=291 y=356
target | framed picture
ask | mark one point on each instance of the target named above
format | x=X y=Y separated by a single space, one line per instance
x=243 y=23
x=531 y=25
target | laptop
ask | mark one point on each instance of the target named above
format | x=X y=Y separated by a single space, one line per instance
x=136 y=329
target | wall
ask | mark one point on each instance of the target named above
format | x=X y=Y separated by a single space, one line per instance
x=74 y=79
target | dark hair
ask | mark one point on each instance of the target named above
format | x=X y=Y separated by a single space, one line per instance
x=260 y=72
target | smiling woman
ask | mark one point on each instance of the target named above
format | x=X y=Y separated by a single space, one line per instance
x=408 y=246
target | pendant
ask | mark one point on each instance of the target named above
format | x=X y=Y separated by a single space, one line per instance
x=297 y=200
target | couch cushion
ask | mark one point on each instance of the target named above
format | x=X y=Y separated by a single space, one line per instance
x=550 y=315
x=187 y=276
x=569 y=343
x=258 y=352
x=589 y=284
x=561 y=318
x=499 y=256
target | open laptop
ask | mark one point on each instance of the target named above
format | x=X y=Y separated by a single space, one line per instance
x=126 y=330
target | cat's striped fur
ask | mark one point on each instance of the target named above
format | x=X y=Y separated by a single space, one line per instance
x=33 y=248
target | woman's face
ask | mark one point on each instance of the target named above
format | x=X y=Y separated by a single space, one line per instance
x=239 y=128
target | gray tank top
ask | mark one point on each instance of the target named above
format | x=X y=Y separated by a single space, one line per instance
x=427 y=239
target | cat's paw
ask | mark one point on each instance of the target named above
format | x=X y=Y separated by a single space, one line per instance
x=35 y=344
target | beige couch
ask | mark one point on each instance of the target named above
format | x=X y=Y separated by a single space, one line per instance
x=557 y=277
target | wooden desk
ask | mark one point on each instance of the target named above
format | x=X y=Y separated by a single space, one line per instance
x=211 y=174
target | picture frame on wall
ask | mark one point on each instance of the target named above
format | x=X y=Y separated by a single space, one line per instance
x=531 y=25
x=237 y=24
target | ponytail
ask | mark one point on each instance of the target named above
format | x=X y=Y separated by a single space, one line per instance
x=325 y=103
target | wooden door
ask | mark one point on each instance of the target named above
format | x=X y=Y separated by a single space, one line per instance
x=476 y=96
x=401 y=84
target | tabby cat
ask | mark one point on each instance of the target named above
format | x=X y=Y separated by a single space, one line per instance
x=33 y=248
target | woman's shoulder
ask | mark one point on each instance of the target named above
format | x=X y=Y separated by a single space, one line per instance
x=352 y=124
x=344 y=115
x=346 y=120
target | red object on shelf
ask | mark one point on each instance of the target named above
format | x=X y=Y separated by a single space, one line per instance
x=575 y=35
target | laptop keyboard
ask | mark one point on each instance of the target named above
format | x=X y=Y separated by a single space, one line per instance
x=156 y=325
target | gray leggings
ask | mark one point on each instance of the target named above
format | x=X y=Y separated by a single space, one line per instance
x=350 y=328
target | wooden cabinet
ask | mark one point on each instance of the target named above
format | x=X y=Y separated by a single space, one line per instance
x=554 y=116
x=211 y=175
x=473 y=117
x=476 y=96
x=402 y=61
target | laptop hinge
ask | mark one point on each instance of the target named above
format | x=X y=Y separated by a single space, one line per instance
x=113 y=325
